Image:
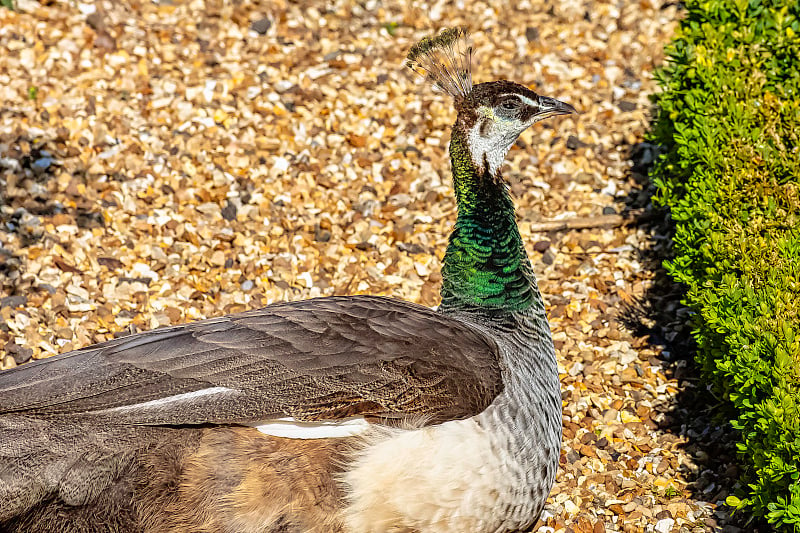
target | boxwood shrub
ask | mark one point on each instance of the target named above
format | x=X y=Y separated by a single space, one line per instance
x=728 y=115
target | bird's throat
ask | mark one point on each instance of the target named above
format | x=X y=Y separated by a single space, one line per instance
x=485 y=264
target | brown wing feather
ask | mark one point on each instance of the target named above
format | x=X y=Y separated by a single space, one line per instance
x=324 y=358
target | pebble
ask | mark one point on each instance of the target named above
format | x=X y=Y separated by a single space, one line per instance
x=261 y=26
x=664 y=525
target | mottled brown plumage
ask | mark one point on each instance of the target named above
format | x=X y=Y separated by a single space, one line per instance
x=207 y=480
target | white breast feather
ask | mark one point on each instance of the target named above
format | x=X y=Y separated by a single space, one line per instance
x=454 y=476
x=295 y=429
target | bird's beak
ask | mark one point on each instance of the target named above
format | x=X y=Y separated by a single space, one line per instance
x=550 y=107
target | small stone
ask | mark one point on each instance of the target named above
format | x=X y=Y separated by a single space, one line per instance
x=229 y=211
x=588 y=451
x=573 y=456
x=42 y=164
x=570 y=507
x=105 y=41
x=95 y=21
x=664 y=525
x=218 y=258
x=22 y=355
x=542 y=246
x=610 y=415
x=573 y=143
x=247 y=285
x=701 y=456
x=18 y=300
x=322 y=235
x=261 y=26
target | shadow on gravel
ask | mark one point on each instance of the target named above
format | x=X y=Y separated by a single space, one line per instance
x=26 y=166
x=696 y=415
x=29 y=167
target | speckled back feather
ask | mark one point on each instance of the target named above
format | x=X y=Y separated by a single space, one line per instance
x=446 y=61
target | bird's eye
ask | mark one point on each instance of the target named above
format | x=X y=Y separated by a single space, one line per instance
x=510 y=105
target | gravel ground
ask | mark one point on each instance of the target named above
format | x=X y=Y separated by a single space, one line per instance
x=165 y=162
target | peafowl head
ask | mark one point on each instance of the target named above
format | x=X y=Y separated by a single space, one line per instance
x=491 y=115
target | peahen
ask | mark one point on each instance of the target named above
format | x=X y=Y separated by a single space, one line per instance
x=361 y=414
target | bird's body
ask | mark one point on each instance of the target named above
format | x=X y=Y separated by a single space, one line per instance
x=506 y=456
x=359 y=414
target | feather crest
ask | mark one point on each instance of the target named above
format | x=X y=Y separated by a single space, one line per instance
x=445 y=60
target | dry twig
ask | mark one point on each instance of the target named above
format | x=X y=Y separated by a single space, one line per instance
x=598 y=221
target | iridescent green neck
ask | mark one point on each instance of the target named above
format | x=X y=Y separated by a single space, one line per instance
x=485 y=264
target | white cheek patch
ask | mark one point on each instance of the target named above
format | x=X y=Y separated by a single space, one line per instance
x=489 y=144
x=291 y=428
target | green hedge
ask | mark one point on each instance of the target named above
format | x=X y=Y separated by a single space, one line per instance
x=729 y=118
